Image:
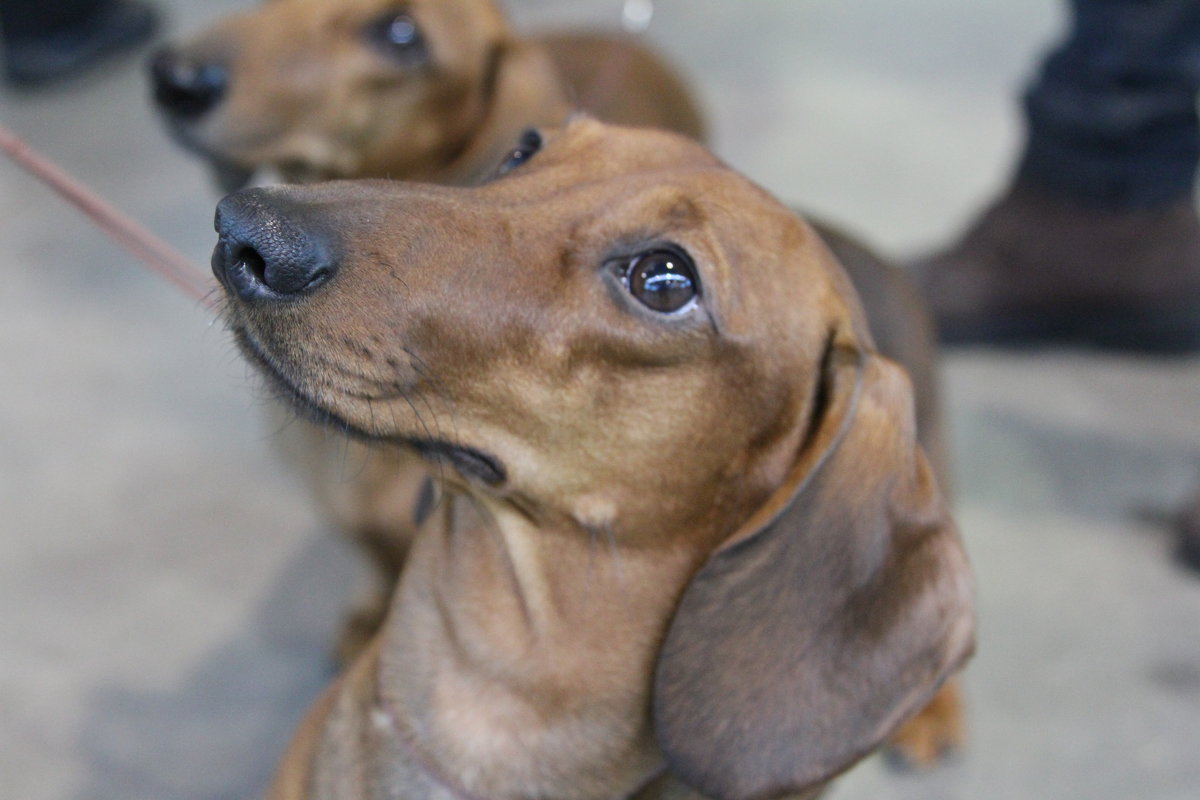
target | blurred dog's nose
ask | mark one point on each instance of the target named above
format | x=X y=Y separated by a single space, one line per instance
x=266 y=251
x=185 y=87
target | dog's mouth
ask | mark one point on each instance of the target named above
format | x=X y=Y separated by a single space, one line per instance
x=469 y=461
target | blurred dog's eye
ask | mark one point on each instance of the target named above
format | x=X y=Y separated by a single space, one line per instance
x=396 y=35
x=531 y=142
x=663 y=280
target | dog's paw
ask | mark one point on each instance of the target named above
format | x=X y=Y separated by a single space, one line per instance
x=933 y=734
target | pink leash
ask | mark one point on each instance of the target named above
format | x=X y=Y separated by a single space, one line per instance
x=133 y=237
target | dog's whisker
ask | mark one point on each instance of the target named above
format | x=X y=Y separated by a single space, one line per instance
x=400 y=468
x=420 y=420
x=421 y=367
x=414 y=391
x=400 y=278
x=289 y=420
x=615 y=552
x=438 y=469
x=367 y=453
x=437 y=425
x=589 y=570
x=344 y=447
x=425 y=400
x=427 y=377
x=428 y=434
x=214 y=301
x=492 y=526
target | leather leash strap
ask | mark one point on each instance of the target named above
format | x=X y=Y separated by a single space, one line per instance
x=126 y=232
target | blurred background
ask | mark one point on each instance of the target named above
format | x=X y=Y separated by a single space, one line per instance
x=168 y=599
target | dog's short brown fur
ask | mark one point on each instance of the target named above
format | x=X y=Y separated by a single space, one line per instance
x=311 y=95
x=311 y=90
x=695 y=554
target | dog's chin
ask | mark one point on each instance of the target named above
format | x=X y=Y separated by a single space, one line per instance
x=473 y=464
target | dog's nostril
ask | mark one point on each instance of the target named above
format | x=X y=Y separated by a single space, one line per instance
x=249 y=260
x=268 y=250
x=318 y=277
x=261 y=274
x=186 y=87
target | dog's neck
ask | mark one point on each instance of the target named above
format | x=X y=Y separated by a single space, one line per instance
x=522 y=656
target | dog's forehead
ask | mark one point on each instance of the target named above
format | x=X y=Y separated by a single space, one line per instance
x=664 y=179
x=639 y=174
x=611 y=151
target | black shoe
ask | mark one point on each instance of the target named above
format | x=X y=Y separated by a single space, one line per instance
x=1039 y=268
x=35 y=61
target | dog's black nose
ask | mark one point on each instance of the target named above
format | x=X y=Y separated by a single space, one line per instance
x=186 y=87
x=266 y=250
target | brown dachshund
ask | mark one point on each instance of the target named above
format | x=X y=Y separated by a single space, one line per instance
x=429 y=90
x=438 y=91
x=684 y=543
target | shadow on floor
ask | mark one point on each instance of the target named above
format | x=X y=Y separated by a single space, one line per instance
x=1096 y=475
x=220 y=733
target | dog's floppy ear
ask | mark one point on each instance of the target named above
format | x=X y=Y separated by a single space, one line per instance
x=830 y=617
x=522 y=90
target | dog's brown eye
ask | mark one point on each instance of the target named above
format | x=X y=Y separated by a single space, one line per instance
x=663 y=280
x=531 y=142
x=396 y=35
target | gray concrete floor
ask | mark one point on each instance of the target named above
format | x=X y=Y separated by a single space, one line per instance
x=167 y=598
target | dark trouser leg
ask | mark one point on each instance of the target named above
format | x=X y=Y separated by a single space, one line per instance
x=1112 y=116
x=1096 y=240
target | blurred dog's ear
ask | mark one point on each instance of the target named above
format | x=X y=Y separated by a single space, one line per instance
x=522 y=89
x=831 y=616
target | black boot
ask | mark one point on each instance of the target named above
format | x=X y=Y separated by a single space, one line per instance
x=1039 y=268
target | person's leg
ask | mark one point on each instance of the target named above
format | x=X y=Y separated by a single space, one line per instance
x=44 y=41
x=1097 y=238
x=1112 y=118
